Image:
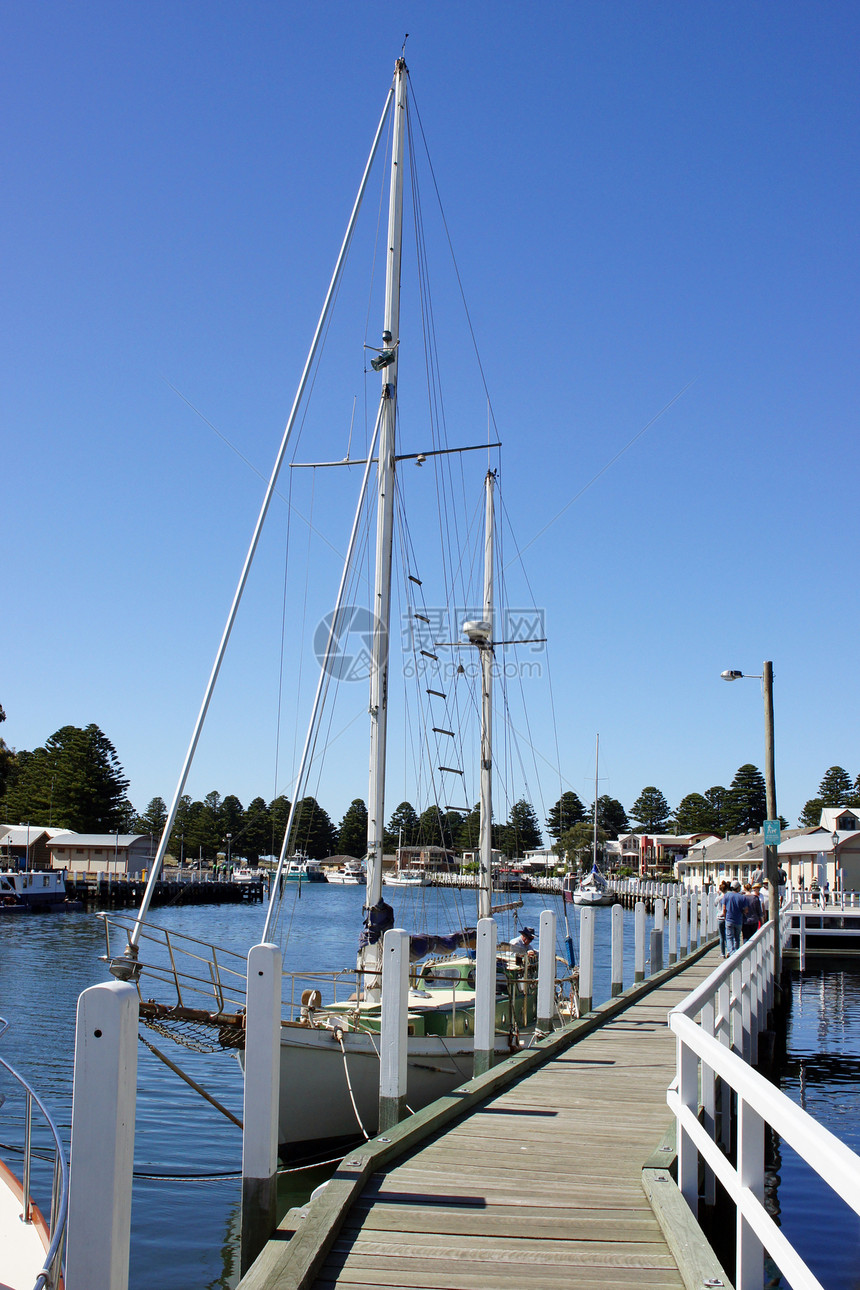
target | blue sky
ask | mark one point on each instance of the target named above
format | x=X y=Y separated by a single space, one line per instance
x=642 y=198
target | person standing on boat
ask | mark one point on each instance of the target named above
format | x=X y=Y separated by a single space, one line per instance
x=520 y=946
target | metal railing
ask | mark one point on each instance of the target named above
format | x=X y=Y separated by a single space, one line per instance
x=714 y=1055
x=56 y=1227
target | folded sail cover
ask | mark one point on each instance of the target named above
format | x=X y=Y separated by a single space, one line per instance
x=379 y=918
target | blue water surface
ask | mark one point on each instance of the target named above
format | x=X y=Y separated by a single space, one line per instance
x=185 y=1209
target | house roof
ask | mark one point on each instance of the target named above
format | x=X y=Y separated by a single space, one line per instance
x=742 y=846
x=96 y=839
x=815 y=840
x=830 y=814
x=21 y=835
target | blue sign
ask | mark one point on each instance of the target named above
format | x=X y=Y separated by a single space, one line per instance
x=771 y=833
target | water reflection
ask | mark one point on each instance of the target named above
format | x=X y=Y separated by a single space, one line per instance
x=821 y=1073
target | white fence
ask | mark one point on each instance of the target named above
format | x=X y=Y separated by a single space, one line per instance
x=833 y=923
x=714 y=1054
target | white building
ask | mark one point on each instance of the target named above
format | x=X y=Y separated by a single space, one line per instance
x=129 y=854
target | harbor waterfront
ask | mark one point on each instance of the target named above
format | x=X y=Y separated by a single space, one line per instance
x=185 y=1210
x=185 y=1217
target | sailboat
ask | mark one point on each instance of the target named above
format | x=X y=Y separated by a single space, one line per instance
x=592 y=889
x=329 y=1084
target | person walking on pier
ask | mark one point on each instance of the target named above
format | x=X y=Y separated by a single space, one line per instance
x=735 y=909
x=721 y=917
x=752 y=913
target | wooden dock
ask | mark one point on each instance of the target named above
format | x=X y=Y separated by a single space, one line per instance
x=539 y=1186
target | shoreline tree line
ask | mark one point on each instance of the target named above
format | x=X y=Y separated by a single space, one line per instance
x=76 y=781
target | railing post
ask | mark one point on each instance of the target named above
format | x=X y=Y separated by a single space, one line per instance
x=393 y=1027
x=685 y=930
x=673 y=930
x=261 y=1100
x=546 y=971
x=485 y=995
x=749 y=1273
x=617 y=973
x=725 y=1037
x=736 y=1006
x=688 y=1156
x=586 y=958
x=746 y=1010
x=102 y=1154
x=639 y=941
x=709 y=1105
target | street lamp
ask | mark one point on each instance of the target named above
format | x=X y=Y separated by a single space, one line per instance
x=834 y=838
x=770 y=857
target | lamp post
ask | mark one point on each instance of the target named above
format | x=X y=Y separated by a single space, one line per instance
x=834 y=838
x=770 y=851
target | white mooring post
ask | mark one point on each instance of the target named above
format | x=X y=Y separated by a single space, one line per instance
x=673 y=930
x=694 y=920
x=639 y=941
x=262 y=1089
x=586 y=959
x=617 y=949
x=685 y=927
x=102 y=1156
x=546 y=971
x=392 y=1038
x=485 y=995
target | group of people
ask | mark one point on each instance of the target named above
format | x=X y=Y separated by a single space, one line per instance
x=741 y=910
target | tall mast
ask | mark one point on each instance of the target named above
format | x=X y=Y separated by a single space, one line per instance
x=596 y=761
x=487 y=659
x=387 y=364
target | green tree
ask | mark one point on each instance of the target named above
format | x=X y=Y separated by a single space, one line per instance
x=153 y=819
x=403 y=824
x=313 y=832
x=521 y=832
x=75 y=782
x=257 y=829
x=566 y=812
x=810 y=816
x=611 y=816
x=835 y=788
x=178 y=845
x=694 y=814
x=719 y=800
x=352 y=834
x=747 y=800
x=232 y=821
x=576 y=845
x=279 y=813
x=651 y=810
x=468 y=835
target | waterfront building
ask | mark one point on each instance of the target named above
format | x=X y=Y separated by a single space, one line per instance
x=127 y=854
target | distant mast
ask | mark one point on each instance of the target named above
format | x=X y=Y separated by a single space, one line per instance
x=596 y=760
x=485 y=899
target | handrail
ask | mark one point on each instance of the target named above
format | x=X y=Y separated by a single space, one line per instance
x=60 y=1187
x=731 y=1006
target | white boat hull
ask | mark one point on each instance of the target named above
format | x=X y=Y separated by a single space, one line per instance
x=593 y=898
x=315 y=1101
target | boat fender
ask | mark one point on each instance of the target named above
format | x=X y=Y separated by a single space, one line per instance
x=311 y=1000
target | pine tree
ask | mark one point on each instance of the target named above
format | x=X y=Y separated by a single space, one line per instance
x=75 y=782
x=747 y=800
x=566 y=812
x=810 y=816
x=352 y=834
x=694 y=814
x=611 y=816
x=257 y=829
x=522 y=832
x=313 y=832
x=719 y=800
x=651 y=810
x=153 y=819
x=835 y=788
x=402 y=827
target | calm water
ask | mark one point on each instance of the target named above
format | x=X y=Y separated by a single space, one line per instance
x=822 y=1074
x=187 y=1156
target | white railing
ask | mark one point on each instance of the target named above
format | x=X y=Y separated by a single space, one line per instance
x=56 y=1225
x=833 y=922
x=715 y=1054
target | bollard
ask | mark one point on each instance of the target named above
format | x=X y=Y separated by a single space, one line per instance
x=673 y=930
x=694 y=920
x=485 y=995
x=617 y=949
x=261 y=1094
x=392 y=1037
x=659 y=915
x=102 y=1156
x=685 y=929
x=546 y=972
x=639 y=941
x=656 y=951
x=586 y=959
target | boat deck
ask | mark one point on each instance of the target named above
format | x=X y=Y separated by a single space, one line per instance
x=22 y=1249
x=539 y=1187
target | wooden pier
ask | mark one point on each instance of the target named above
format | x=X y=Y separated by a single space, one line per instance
x=120 y=892
x=530 y=1176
